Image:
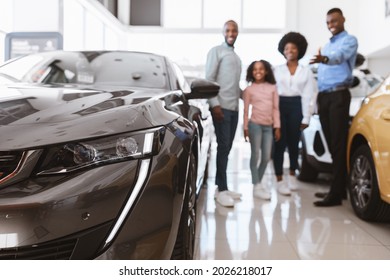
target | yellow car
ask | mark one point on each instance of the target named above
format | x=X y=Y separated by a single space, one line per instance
x=369 y=157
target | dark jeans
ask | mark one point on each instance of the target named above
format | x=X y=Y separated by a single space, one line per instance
x=333 y=109
x=225 y=132
x=290 y=121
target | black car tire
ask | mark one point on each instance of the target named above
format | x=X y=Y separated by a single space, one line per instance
x=307 y=173
x=185 y=241
x=363 y=188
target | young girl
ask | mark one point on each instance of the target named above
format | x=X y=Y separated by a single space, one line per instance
x=263 y=96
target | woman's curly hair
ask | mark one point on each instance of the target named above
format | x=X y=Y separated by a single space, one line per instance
x=297 y=39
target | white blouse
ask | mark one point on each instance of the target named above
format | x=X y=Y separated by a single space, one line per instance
x=302 y=83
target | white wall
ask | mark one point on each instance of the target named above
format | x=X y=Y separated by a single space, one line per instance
x=37 y=15
x=364 y=18
x=25 y=16
x=6 y=15
x=84 y=24
x=375 y=28
x=311 y=20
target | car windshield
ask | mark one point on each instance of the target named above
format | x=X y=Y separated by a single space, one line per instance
x=103 y=68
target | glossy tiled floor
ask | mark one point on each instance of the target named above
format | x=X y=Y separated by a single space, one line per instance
x=284 y=228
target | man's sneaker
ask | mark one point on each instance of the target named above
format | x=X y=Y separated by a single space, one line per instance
x=224 y=199
x=223 y=211
x=261 y=192
x=282 y=188
x=292 y=183
x=234 y=195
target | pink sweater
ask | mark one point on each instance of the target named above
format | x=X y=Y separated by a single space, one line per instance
x=264 y=99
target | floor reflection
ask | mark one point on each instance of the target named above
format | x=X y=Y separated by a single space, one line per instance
x=283 y=228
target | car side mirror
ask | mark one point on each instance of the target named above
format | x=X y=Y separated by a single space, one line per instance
x=203 y=89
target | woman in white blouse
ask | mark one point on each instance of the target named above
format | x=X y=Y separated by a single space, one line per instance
x=296 y=86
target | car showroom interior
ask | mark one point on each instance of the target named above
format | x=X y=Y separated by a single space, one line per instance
x=160 y=130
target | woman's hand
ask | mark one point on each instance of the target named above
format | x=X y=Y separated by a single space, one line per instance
x=277 y=134
x=246 y=135
x=303 y=126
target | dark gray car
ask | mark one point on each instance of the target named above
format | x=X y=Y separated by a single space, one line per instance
x=102 y=155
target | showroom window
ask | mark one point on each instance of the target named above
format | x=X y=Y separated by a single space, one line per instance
x=208 y=14
x=264 y=14
x=182 y=13
x=214 y=18
x=87 y=27
x=185 y=30
x=195 y=26
x=250 y=14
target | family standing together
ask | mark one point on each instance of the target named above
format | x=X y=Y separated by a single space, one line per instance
x=279 y=98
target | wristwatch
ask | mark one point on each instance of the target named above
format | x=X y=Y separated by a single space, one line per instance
x=325 y=59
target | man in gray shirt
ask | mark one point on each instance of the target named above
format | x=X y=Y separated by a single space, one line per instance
x=224 y=67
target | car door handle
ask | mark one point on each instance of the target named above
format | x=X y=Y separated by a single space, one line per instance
x=386 y=115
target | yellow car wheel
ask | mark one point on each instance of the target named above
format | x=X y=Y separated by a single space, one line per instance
x=363 y=188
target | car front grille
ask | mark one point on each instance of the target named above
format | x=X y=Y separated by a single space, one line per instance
x=82 y=245
x=48 y=251
x=9 y=162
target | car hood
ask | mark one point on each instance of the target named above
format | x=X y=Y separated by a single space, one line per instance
x=34 y=116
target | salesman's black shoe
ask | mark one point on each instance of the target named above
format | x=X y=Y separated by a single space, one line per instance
x=328 y=201
x=321 y=194
x=324 y=194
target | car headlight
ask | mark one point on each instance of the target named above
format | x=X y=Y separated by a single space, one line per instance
x=76 y=155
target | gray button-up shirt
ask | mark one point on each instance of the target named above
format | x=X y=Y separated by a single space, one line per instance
x=224 y=67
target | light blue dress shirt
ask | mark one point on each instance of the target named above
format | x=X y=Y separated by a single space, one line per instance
x=341 y=51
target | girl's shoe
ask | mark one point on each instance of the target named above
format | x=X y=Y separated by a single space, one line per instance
x=292 y=183
x=282 y=188
x=261 y=192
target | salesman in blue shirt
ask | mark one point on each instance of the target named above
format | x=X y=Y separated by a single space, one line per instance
x=336 y=62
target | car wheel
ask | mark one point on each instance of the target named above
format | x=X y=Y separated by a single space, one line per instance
x=307 y=172
x=363 y=188
x=185 y=241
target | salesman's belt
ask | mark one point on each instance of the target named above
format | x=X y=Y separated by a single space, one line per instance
x=333 y=89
